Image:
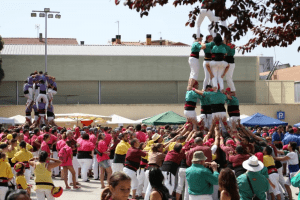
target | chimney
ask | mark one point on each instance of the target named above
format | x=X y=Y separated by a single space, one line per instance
x=81 y=42
x=160 y=41
x=41 y=37
x=148 y=39
x=118 y=39
x=113 y=40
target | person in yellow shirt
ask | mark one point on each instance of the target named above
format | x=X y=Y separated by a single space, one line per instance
x=12 y=150
x=23 y=156
x=43 y=175
x=273 y=173
x=20 y=178
x=20 y=139
x=120 y=153
x=179 y=139
x=6 y=175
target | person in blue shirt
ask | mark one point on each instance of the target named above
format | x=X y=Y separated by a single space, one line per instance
x=26 y=88
x=30 y=83
x=52 y=88
x=278 y=135
x=291 y=138
x=42 y=94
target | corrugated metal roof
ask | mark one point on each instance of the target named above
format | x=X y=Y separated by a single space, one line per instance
x=99 y=50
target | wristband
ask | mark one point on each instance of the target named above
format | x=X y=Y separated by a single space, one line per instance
x=225 y=123
x=193 y=89
x=217 y=122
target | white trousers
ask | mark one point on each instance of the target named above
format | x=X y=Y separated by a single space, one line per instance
x=220 y=115
x=45 y=99
x=229 y=75
x=147 y=186
x=95 y=167
x=117 y=167
x=190 y=114
x=169 y=181
x=141 y=179
x=215 y=194
x=200 y=197
x=51 y=92
x=55 y=171
x=3 y=191
x=195 y=66
x=85 y=166
x=75 y=166
x=27 y=175
x=218 y=68
x=182 y=182
x=207 y=118
x=30 y=90
x=233 y=119
x=29 y=99
x=132 y=175
x=274 y=178
x=205 y=13
x=41 y=193
x=36 y=93
x=207 y=75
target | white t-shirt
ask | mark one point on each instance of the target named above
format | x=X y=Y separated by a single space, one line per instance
x=293 y=158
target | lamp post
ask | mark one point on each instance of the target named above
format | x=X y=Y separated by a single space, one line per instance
x=47 y=14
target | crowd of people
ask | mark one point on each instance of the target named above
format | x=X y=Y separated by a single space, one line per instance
x=156 y=163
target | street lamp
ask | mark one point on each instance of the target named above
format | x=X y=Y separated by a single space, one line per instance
x=47 y=14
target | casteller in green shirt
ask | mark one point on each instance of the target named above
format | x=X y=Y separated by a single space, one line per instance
x=233 y=101
x=201 y=180
x=296 y=182
x=216 y=97
x=259 y=183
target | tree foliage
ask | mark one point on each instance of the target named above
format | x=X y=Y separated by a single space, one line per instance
x=273 y=22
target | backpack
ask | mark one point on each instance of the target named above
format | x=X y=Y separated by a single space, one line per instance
x=62 y=155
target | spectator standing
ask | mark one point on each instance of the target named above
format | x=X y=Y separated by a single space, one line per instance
x=200 y=179
x=258 y=182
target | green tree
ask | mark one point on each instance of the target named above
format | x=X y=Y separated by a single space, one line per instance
x=1 y=70
x=273 y=22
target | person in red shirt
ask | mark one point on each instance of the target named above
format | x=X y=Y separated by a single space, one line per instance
x=170 y=165
x=205 y=149
x=103 y=159
x=141 y=136
x=85 y=155
x=108 y=137
x=114 y=142
x=44 y=145
x=132 y=163
x=67 y=164
x=238 y=159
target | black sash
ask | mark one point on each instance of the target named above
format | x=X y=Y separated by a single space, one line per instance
x=84 y=155
x=119 y=158
x=219 y=57
x=218 y=108
x=229 y=59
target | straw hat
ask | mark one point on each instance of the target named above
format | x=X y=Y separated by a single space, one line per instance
x=198 y=156
x=253 y=164
x=156 y=136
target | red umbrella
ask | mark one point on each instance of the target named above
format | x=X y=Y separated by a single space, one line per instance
x=87 y=122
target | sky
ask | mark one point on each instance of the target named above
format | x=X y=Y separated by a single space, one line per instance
x=94 y=21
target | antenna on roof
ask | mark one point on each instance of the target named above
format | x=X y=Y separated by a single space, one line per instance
x=37 y=26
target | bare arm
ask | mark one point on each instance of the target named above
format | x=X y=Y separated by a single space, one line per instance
x=226 y=70
x=54 y=164
x=209 y=70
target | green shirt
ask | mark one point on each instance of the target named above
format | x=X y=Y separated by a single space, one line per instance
x=264 y=172
x=204 y=100
x=295 y=181
x=196 y=47
x=209 y=47
x=192 y=96
x=216 y=97
x=219 y=49
x=259 y=183
x=232 y=102
x=230 y=50
x=201 y=180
